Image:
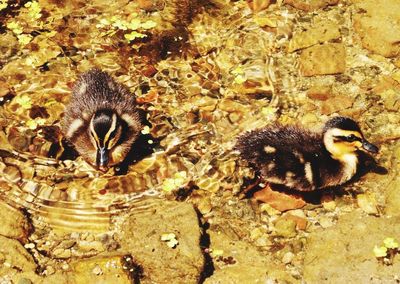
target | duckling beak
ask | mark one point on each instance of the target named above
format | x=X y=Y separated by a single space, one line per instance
x=369 y=147
x=102 y=159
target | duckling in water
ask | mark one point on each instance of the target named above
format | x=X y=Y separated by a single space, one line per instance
x=101 y=120
x=303 y=160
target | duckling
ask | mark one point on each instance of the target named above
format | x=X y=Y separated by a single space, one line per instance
x=101 y=120
x=303 y=160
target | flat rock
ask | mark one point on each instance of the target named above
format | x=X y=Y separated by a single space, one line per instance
x=393 y=198
x=323 y=59
x=336 y=104
x=343 y=253
x=378 y=24
x=319 y=92
x=239 y=262
x=14 y=224
x=318 y=33
x=141 y=237
x=14 y=258
x=107 y=269
x=311 y=5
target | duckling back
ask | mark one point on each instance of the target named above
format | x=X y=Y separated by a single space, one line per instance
x=285 y=155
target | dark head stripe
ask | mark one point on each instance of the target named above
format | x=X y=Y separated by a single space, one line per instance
x=343 y=123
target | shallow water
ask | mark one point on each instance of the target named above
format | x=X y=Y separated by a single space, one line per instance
x=205 y=72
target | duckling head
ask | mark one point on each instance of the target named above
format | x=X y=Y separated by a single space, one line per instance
x=105 y=132
x=342 y=138
x=104 y=138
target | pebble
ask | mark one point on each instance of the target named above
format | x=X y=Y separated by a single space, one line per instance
x=329 y=205
x=97 y=270
x=367 y=203
x=285 y=228
x=24 y=281
x=62 y=253
x=287 y=257
x=49 y=270
x=65 y=266
x=29 y=246
x=325 y=222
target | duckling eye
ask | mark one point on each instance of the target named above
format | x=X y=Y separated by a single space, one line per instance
x=351 y=138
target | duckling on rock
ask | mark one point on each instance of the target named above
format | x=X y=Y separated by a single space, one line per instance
x=304 y=160
x=102 y=120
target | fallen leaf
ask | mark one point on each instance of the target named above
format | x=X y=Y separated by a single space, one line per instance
x=278 y=200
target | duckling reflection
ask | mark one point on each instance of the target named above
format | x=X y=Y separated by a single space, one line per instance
x=304 y=160
x=102 y=120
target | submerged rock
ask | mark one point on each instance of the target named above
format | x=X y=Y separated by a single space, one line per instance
x=378 y=24
x=141 y=237
x=108 y=269
x=311 y=5
x=344 y=253
x=239 y=262
x=14 y=259
x=14 y=224
x=323 y=59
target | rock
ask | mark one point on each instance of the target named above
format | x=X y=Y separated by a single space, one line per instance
x=378 y=24
x=14 y=224
x=285 y=227
x=141 y=237
x=319 y=33
x=393 y=198
x=258 y=5
x=344 y=253
x=320 y=93
x=301 y=222
x=242 y=263
x=323 y=59
x=24 y=281
x=150 y=5
x=287 y=257
x=61 y=253
x=14 y=257
x=278 y=200
x=336 y=104
x=107 y=269
x=367 y=203
x=310 y=5
x=329 y=205
x=8 y=46
x=325 y=222
x=391 y=100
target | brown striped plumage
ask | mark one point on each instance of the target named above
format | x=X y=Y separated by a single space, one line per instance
x=102 y=120
x=304 y=160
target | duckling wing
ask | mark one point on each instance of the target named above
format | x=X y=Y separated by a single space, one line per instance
x=283 y=154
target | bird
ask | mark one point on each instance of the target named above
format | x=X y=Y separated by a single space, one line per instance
x=102 y=120
x=298 y=159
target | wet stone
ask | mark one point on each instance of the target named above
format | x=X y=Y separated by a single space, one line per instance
x=323 y=59
x=285 y=227
x=141 y=237
x=332 y=254
x=105 y=269
x=319 y=33
x=14 y=224
x=15 y=257
x=378 y=24
x=321 y=93
x=249 y=266
x=311 y=5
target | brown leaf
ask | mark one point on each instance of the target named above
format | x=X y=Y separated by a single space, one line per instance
x=258 y=5
x=278 y=200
